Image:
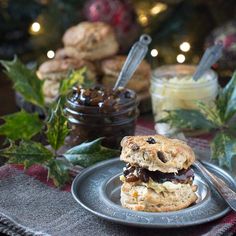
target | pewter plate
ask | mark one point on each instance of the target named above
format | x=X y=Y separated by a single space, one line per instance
x=97 y=189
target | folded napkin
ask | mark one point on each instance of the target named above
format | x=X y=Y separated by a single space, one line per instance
x=29 y=205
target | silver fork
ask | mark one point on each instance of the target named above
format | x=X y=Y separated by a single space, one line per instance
x=226 y=193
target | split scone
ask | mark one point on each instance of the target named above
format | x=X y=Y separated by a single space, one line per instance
x=157 y=176
x=92 y=40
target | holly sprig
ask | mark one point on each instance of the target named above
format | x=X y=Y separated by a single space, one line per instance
x=20 y=128
x=217 y=118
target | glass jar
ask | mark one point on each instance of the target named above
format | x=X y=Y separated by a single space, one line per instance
x=90 y=122
x=172 y=87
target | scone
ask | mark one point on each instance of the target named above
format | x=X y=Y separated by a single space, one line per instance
x=57 y=69
x=92 y=40
x=67 y=53
x=157 y=153
x=157 y=176
x=111 y=68
x=53 y=71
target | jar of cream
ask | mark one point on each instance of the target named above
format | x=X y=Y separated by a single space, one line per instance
x=172 y=87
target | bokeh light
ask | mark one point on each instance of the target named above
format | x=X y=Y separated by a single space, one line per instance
x=185 y=46
x=180 y=58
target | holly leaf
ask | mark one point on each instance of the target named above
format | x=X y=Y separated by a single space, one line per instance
x=89 y=153
x=211 y=113
x=75 y=78
x=58 y=171
x=25 y=81
x=187 y=119
x=57 y=127
x=226 y=101
x=21 y=125
x=87 y=147
x=223 y=149
x=26 y=153
x=231 y=106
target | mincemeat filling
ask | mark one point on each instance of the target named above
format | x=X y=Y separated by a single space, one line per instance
x=133 y=173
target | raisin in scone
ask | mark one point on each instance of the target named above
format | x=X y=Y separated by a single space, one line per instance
x=157 y=176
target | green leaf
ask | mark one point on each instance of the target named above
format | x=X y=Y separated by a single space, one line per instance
x=58 y=170
x=89 y=153
x=211 y=113
x=231 y=106
x=87 y=147
x=57 y=127
x=187 y=119
x=75 y=78
x=27 y=153
x=226 y=101
x=25 y=81
x=21 y=125
x=223 y=149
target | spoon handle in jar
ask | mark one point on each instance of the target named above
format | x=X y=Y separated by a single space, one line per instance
x=209 y=58
x=134 y=58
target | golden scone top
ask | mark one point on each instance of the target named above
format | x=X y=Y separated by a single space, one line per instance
x=157 y=152
x=86 y=35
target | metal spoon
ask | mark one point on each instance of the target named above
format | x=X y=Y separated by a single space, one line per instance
x=209 y=58
x=226 y=193
x=134 y=58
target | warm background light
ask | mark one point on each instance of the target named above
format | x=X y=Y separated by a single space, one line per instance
x=50 y=54
x=35 y=27
x=143 y=19
x=158 y=8
x=185 y=46
x=154 y=52
x=180 y=58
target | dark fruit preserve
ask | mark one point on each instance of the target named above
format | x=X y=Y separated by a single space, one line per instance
x=101 y=112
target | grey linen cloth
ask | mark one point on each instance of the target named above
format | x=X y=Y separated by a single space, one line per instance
x=29 y=207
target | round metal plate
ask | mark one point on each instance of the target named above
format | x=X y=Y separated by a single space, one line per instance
x=97 y=189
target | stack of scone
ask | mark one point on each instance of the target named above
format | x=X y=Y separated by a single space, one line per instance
x=93 y=45
x=157 y=176
x=53 y=71
x=83 y=43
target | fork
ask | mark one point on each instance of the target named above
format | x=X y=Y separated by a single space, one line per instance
x=222 y=188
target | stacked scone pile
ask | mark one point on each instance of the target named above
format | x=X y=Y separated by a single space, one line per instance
x=54 y=71
x=92 y=45
x=157 y=176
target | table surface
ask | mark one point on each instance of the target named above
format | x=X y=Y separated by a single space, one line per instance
x=8 y=105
